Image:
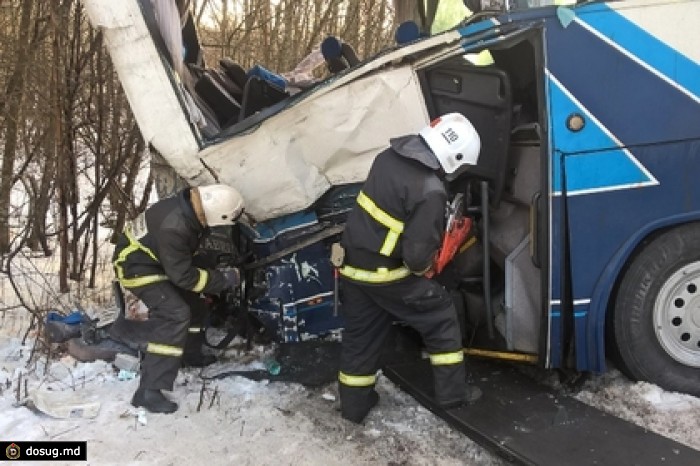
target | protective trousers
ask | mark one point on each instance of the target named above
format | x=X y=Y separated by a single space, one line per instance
x=174 y=329
x=368 y=312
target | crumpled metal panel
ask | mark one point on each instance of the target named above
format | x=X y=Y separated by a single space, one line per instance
x=293 y=157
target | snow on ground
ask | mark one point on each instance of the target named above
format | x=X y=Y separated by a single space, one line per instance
x=673 y=415
x=234 y=421
x=238 y=421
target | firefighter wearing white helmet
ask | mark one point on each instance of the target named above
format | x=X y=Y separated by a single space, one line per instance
x=453 y=140
x=222 y=204
x=390 y=241
x=162 y=268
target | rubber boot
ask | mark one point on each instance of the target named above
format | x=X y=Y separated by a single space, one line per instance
x=471 y=394
x=153 y=400
x=356 y=402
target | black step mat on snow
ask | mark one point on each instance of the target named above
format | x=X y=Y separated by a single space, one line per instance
x=529 y=423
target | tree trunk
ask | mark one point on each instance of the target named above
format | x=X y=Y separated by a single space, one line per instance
x=422 y=12
x=11 y=116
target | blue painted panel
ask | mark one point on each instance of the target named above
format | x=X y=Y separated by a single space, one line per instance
x=298 y=303
x=582 y=348
x=476 y=27
x=625 y=104
x=271 y=229
x=602 y=223
x=586 y=170
x=647 y=48
x=634 y=104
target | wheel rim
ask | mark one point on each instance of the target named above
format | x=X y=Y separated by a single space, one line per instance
x=677 y=315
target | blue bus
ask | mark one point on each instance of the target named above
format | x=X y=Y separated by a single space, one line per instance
x=585 y=200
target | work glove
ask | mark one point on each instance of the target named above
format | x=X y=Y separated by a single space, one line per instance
x=232 y=278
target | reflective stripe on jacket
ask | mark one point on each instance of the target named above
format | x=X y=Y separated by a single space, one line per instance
x=394 y=229
x=397 y=225
x=394 y=226
x=134 y=282
x=381 y=275
x=166 y=252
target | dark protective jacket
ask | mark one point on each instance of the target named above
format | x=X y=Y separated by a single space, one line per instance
x=167 y=250
x=404 y=183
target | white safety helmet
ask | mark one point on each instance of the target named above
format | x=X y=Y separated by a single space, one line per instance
x=222 y=204
x=453 y=140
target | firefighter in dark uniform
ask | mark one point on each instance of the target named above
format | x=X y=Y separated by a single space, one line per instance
x=390 y=241
x=160 y=269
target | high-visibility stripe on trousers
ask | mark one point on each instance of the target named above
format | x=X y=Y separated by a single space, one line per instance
x=172 y=331
x=444 y=359
x=369 y=312
x=357 y=380
x=164 y=350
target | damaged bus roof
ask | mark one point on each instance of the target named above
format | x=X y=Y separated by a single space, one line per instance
x=285 y=156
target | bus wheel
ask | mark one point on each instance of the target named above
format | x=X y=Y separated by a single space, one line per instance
x=656 y=321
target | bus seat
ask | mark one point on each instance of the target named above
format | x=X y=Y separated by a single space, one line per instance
x=234 y=71
x=221 y=102
x=257 y=95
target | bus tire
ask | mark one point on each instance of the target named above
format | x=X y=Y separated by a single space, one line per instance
x=656 y=320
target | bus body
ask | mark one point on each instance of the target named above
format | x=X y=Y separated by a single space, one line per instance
x=585 y=198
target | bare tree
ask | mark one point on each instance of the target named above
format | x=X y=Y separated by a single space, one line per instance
x=278 y=35
x=68 y=138
x=25 y=46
